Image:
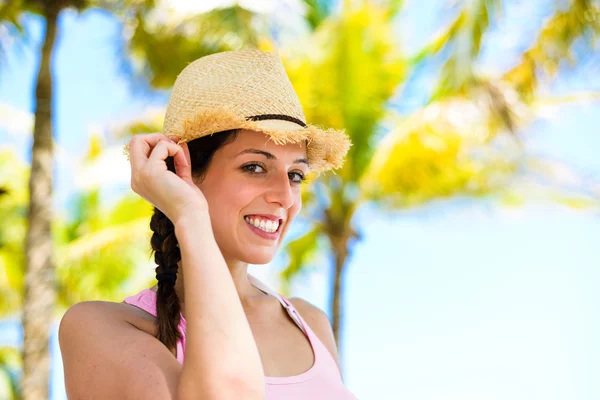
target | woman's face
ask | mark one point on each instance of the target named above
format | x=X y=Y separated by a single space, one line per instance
x=253 y=181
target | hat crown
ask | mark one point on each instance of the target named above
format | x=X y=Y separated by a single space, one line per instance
x=246 y=83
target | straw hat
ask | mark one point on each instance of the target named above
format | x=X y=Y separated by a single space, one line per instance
x=248 y=89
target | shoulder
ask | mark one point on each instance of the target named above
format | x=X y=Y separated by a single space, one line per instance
x=78 y=317
x=319 y=323
x=106 y=314
x=105 y=355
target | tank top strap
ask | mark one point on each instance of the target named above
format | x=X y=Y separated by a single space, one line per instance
x=284 y=302
x=146 y=300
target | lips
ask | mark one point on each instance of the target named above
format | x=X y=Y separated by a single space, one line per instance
x=266 y=217
x=266 y=225
x=264 y=228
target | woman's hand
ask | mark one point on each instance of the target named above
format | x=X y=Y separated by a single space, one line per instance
x=174 y=194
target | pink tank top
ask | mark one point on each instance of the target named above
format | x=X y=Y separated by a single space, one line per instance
x=321 y=381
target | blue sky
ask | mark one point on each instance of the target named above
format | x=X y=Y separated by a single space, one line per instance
x=458 y=299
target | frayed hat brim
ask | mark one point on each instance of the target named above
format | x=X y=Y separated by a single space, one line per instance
x=326 y=148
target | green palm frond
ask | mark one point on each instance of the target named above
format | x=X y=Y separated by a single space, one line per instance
x=104 y=275
x=11 y=31
x=317 y=12
x=463 y=38
x=102 y=251
x=221 y=29
x=104 y=240
x=348 y=80
x=433 y=154
x=10 y=367
x=13 y=214
x=10 y=12
x=581 y=20
x=301 y=252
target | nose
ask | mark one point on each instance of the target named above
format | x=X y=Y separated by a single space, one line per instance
x=280 y=191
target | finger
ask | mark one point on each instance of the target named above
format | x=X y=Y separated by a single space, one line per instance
x=165 y=149
x=186 y=151
x=184 y=171
x=141 y=146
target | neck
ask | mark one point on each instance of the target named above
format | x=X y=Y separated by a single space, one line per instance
x=247 y=293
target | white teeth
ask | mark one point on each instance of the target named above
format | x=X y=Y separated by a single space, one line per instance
x=263 y=225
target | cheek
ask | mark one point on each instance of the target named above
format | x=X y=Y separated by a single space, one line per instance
x=228 y=200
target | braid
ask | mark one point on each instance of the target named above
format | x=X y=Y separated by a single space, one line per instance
x=166 y=256
x=164 y=242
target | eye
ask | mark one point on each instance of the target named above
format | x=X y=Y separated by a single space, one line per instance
x=252 y=168
x=259 y=168
x=297 y=177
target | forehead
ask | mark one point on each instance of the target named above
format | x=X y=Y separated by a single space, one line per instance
x=258 y=140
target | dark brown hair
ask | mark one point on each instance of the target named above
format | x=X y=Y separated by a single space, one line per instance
x=164 y=243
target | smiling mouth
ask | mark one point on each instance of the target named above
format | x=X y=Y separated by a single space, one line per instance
x=259 y=225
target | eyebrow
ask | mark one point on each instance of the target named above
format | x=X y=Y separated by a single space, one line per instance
x=270 y=156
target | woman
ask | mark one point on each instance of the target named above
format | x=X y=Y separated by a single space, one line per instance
x=224 y=177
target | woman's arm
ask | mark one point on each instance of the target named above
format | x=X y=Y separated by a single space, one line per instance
x=220 y=349
x=105 y=356
x=221 y=360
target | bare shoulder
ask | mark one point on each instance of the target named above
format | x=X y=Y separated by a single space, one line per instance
x=106 y=355
x=319 y=323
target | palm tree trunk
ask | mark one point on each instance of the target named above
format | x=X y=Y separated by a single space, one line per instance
x=340 y=250
x=39 y=292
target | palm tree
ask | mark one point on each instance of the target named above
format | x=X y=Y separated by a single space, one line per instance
x=426 y=155
x=39 y=288
x=357 y=74
x=101 y=252
x=348 y=71
x=39 y=264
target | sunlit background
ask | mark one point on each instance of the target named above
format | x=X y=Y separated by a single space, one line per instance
x=464 y=227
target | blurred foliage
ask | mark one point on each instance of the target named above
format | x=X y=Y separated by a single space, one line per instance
x=344 y=74
x=555 y=43
x=101 y=249
x=463 y=38
x=445 y=149
x=10 y=367
x=346 y=71
x=317 y=12
x=463 y=142
x=301 y=252
x=157 y=41
x=101 y=252
x=14 y=175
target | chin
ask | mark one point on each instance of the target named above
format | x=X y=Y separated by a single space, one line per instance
x=259 y=258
